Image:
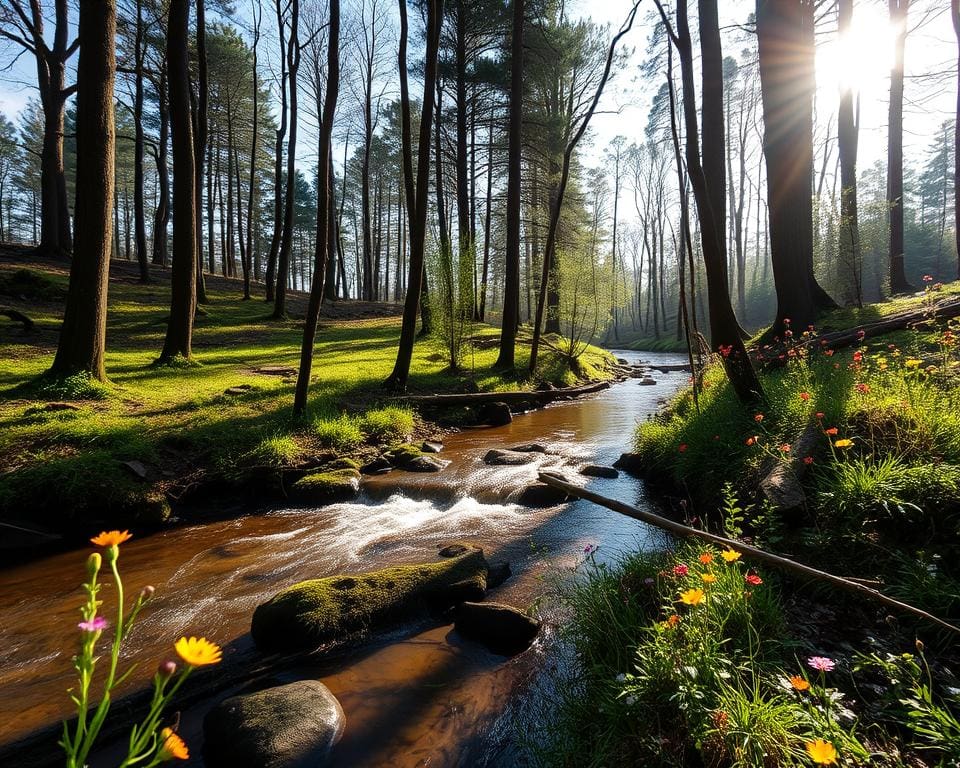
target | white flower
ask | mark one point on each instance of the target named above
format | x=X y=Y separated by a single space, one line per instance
x=621 y=677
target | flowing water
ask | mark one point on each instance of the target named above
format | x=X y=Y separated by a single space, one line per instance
x=417 y=698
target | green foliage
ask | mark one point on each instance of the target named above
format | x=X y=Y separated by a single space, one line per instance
x=340 y=433
x=32 y=286
x=78 y=386
x=386 y=424
x=275 y=451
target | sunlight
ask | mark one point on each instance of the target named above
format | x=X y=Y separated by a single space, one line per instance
x=861 y=60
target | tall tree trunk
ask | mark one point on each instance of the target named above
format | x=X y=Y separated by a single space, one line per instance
x=200 y=144
x=416 y=201
x=898 y=276
x=184 y=275
x=254 y=146
x=83 y=334
x=847 y=141
x=330 y=279
x=139 y=213
x=161 y=218
x=322 y=253
x=485 y=272
x=955 y=13
x=465 y=259
x=278 y=196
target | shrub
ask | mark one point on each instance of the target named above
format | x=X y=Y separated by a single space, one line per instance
x=384 y=425
x=275 y=451
x=340 y=433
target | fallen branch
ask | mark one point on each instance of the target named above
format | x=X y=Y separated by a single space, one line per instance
x=941 y=310
x=775 y=560
x=17 y=317
x=479 y=398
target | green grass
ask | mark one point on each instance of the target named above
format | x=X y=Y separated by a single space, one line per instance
x=180 y=420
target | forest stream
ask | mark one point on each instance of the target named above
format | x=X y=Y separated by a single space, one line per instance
x=418 y=697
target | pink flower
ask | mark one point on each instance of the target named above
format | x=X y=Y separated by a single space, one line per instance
x=928 y=278
x=861 y=334
x=753 y=579
x=682 y=447
x=96 y=624
x=821 y=663
x=808 y=460
x=680 y=570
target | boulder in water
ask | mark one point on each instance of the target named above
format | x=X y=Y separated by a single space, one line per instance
x=431 y=446
x=313 y=613
x=541 y=495
x=501 y=628
x=423 y=464
x=498 y=573
x=326 y=487
x=496 y=414
x=631 y=463
x=378 y=466
x=290 y=726
x=597 y=470
x=530 y=448
x=502 y=457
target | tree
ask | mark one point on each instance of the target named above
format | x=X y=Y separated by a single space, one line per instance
x=27 y=30
x=708 y=179
x=850 y=253
x=786 y=58
x=183 y=279
x=83 y=334
x=324 y=191
x=511 y=290
x=416 y=199
x=955 y=15
x=898 y=276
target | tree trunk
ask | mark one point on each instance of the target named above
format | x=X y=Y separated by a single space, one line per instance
x=898 y=276
x=955 y=13
x=847 y=135
x=416 y=201
x=330 y=280
x=511 y=272
x=161 y=218
x=83 y=334
x=184 y=275
x=278 y=198
x=139 y=214
x=485 y=271
x=200 y=143
x=465 y=258
x=322 y=252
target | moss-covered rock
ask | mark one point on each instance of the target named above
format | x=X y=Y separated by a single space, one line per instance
x=402 y=454
x=324 y=611
x=344 y=463
x=335 y=485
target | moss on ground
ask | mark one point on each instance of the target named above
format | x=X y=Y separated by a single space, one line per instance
x=321 y=611
x=230 y=410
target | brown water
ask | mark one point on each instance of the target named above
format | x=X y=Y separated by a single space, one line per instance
x=415 y=699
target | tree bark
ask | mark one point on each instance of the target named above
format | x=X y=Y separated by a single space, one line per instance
x=139 y=212
x=161 y=217
x=200 y=144
x=83 y=334
x=278 y=198
x=184 y=270
x=898 y=276
x=511 y=285
x=847 y=135
x=955 y=13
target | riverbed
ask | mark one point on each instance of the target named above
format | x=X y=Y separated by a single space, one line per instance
x=421 y=697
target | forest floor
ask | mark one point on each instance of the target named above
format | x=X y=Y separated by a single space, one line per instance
x=75 y=455
x=732 y=662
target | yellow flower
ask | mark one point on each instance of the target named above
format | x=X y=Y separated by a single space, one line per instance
x=172 y=747
x=912 y=362
x=706 y=558
x=821 y=752
x=730 y=555
x=197 y=651
x=844 y=443
x=111 y=538
x=692 y=597
x=799 y=683
x=708 y=578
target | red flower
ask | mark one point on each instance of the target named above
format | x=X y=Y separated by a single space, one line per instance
x=819 y=415
x=928 y=278
x=752 y=440
x=863 y=388
x=861 y=334
x=857 y=356
x=785 y=447
x=808 y=460
x=758 y=418
x=753 y=579
x=831 y=431
x=682 y=448
x=805 y=396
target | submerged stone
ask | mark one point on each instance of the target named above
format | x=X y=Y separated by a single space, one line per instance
x=503 y=457
x=597 y=470
x=503 y=629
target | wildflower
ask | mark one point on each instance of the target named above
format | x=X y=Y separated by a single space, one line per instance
x=725 y=349
x=819 y=415
x=96 y=624
x=863 y=388
x=752 y=440
x=821 y=663
x=828 y=352
x=706 y=558
x=708 y=578
x=730 y=555
x=858 y=356
x=788 y=334
x=692 y=597
x=621 y=677
x=844 y=443
x=799 y=684
x=786 y=321
x=785 y=448
x=167 y=669
x=589 y=549
x=821 y=752
x=831 y=431
x=147 y=593
x=720 y=720
x=93 y=564
x=682 y=447
x=648 y=581
x=172 y=747
x=111 y=538
x=805 y=396
x=630 y=700
x=753 y=580
x=672 y=621
x=928 y=278
x=680 y=570
x=860 y=334
x=197 y=651
x=912 y=362
x=808 y=460
x=758 y=418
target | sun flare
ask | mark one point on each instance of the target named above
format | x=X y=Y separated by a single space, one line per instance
x=860 y=60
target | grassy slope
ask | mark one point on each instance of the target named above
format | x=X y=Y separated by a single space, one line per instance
x=178 y=420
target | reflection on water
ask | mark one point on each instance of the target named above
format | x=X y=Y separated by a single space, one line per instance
x=416 y=701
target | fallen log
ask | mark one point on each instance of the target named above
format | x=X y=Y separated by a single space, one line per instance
x=17 y=317
x=510 y=398
x=776 y=561
x=941 y=310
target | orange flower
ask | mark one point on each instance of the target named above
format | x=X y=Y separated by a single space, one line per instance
x=197 y=651
x=758 y=418
x=111 y=538
x=172 y=747
x=831 y=430
x=785 y=448
x=706 y=558
x=752 y=440
x=821 y=752
x=804 y=396
x=799 y=683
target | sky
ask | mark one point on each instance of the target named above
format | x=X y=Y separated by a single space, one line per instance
x=931 y=47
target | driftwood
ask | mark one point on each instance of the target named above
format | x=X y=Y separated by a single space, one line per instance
x=782 y=563
x=940 y=310
x=510 y=398
x=17 y=317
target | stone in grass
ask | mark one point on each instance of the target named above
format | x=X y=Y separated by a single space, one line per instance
x=314 y=613
x=290 y=726
x=597 y=470
x=240 y=389
x=501 y=628
x=504 y=458
x=335 y=485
